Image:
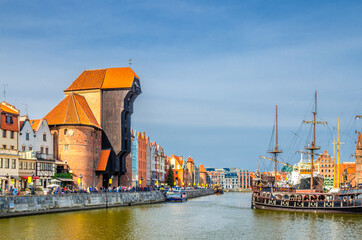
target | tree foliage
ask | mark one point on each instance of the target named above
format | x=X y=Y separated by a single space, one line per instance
x=170 y=177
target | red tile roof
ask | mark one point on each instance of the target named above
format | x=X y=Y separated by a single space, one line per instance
x=72 y=110
x=109 y=78
x=103 y=160
x=190 y=160
x=35 y=124
x=202 y=169
x=8 y=108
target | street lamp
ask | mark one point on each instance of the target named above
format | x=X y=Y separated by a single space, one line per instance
x=80 y=180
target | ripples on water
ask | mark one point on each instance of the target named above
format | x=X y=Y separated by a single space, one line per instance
x=225 y=216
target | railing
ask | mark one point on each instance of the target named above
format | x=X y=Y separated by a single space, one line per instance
x=11 y=152
x=27 y=155
x=44 y=156
x=336 y=203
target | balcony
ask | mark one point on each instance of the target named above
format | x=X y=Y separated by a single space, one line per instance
x=10 y=152
x=27 y=155
x=44 y=156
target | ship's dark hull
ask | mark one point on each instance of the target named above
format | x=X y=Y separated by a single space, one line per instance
x=300 y=202
x=344 y=210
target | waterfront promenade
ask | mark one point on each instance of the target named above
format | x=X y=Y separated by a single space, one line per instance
x=30 y=205
x=226 y=216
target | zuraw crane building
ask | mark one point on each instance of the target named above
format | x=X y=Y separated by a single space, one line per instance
x=92 y=124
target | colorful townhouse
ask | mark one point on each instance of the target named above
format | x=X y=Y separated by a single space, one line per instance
x=176 y=163
x=134 y=159
x=325 y=165
x=142 y=159
x=9 y=157
x=36 y=153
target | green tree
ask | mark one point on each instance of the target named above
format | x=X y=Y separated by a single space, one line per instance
x=170 y=177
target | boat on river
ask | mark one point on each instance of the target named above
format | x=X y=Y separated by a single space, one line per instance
x=267 y=195
x=176 y=195
x=218 y=189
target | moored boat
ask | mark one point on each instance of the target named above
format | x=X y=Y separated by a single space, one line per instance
x=268 y=195
x=176 y=195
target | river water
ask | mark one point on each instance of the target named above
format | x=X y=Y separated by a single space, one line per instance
x=225 y=216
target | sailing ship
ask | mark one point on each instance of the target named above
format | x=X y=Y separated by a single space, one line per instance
x=266 y=194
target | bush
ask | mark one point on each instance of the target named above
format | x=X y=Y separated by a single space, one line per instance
x=63 y=175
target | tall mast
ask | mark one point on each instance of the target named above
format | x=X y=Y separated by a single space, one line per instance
x=338 y=155
x=313 y=147
x=276 y=151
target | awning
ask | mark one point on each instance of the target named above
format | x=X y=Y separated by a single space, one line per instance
x=26 y=177
x=16 y=177
x=65 y=179
x=3 y=178
x=103 y=160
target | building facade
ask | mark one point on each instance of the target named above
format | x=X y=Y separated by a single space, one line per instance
x=9 y=157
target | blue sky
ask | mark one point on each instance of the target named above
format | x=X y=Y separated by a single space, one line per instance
x=211 y=71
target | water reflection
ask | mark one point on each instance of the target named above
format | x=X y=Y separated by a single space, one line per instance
x=225 y=216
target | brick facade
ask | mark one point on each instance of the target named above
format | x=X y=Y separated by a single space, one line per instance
x=79 y=146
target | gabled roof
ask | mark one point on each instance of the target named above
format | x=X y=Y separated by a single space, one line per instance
x=202 y=169
x=72 y=110
x=109 y=78
x=35 y=124
x=6 y=107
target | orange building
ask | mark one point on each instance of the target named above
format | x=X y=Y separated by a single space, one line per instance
x=203 y=176
x=142 y=159
x=358 y=157
x=77 y=138
x=176 y=163
x=347 y=174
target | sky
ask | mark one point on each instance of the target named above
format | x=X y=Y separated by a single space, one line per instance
x=211 y=71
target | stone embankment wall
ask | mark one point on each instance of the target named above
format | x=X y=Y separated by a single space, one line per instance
x=30 y=205
x=199 y=193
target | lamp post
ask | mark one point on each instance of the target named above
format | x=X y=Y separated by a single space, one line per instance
x=32 y=182
x=80 y=180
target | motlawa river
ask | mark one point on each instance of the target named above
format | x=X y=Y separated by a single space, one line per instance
x=225 y=216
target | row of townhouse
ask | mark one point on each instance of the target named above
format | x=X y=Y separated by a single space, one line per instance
x=150 y=165
x=26 y=150
x=229 y=178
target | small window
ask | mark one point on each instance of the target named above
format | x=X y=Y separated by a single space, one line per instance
x=44 y=137
x=7 y=162
x=13 y=163
x=65 y=131
x=23 y=148
x=12 y=147
x=9 y=119
x=4 y=133
x=26 y=166
x=1 y=163
x=27 y=136
x=41 y=149
x=46 y=151
x=20 y=165
x=4 y=146
x=11 y=134
x=66 y=146
x=30 y=148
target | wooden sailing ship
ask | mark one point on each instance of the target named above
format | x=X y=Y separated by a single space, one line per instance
x=267 y=195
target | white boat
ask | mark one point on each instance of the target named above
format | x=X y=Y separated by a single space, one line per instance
x=176 y=195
